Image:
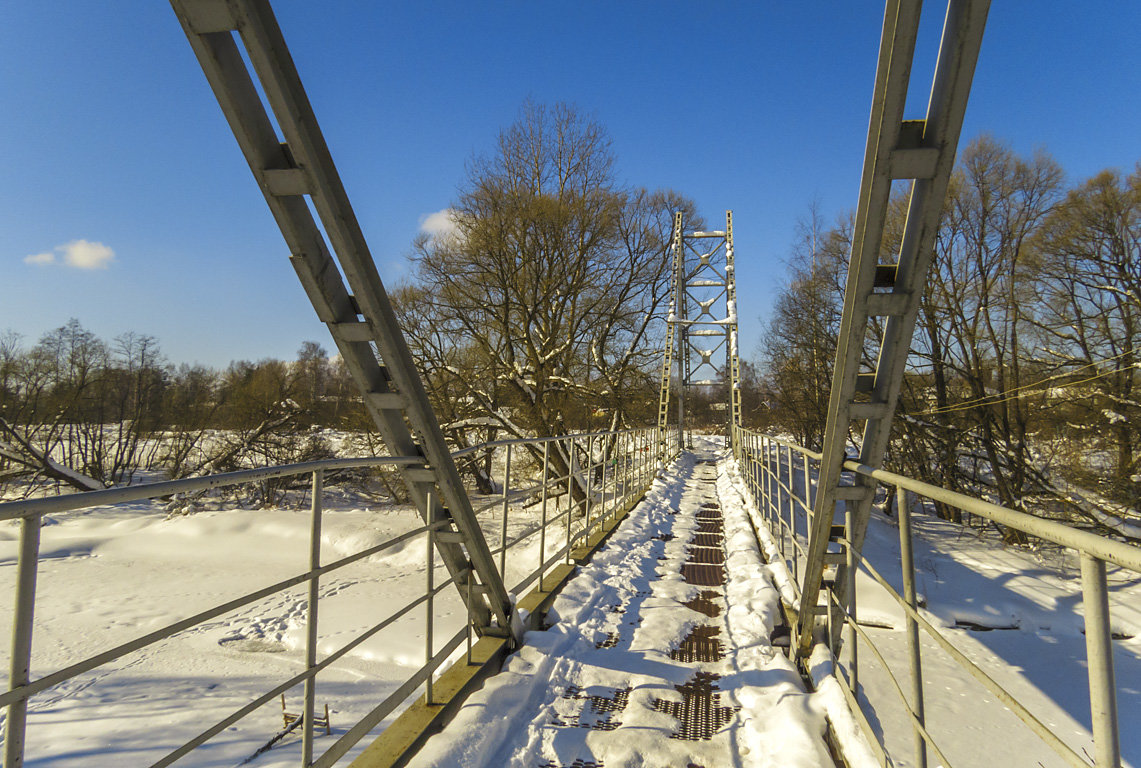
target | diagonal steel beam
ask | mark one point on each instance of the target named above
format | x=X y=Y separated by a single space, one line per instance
x=296 y=174
x=924 y=151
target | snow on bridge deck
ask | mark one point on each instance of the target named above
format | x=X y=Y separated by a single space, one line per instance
x=658 y=653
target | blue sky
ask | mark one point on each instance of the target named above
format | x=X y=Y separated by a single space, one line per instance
x=120 y=171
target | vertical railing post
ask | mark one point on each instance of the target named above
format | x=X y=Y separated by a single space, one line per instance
x=589 y=480
x=755 y=471
x=430 y=604
x=651 y=467
x=624 y=457
x=619 y=476
x=759 y=473
x=807 y=494
x=1099 y=661
x=792 y=532
x=646 y=475
x=763 y=469
x=762 y=489
x=851 y=637
x=751 y=468
x=640 y=459
x=470 y=623
x=602 y=483
x=506 y=504
x=774 y=488
x=612 y=460
x=780 y=506
x=21 y=663
x=791 y=506
x=310 y=690
x=771 y=463
x=907 y=565
x=543 y=526
x=636 y=460
x=570 y=493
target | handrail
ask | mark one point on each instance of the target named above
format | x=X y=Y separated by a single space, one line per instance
x=1113 y=551
x=625 y=474
x=763 y=466
x=538 y=440
x=15 y=509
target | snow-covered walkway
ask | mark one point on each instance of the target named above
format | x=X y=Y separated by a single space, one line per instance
x=658 y=652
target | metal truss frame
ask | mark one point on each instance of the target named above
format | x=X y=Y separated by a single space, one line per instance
x=703 y=309
x=296 y=174
x=897 y=149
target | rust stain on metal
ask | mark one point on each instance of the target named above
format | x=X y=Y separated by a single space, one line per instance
x=602 y=709
x=703 y=603
x=702 y=644
x=699 y=713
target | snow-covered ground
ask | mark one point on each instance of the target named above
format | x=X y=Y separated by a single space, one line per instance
x=1015 y=613
x=112 y=573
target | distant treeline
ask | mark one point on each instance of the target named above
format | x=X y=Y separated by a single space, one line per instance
x=78 y=409
x=1024 y=377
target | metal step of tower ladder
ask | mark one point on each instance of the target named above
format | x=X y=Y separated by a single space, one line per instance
x=923 y=151
x=671 y=339
x=297 y=177
x=731 y=330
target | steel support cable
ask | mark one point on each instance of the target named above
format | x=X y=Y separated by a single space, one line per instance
x=1013 y=394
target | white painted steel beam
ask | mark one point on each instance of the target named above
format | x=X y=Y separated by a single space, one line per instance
x=296 y=170
x=923 y=150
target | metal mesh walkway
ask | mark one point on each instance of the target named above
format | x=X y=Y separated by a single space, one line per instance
x=657 y=653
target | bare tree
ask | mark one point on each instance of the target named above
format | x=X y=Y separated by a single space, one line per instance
x=1088 y=253
x=543 y=306
x=799 y=346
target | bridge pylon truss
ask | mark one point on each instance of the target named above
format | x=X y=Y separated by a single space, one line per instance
x=702 y=323
x=885 y=287
x=291 y=163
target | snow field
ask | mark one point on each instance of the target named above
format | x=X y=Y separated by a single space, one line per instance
x=1014 y=612
x=111 y=574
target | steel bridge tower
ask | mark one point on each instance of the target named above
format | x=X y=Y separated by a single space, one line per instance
x=702 y=320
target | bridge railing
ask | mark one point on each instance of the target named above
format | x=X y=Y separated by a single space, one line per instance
x=773 y=468
x=603 y=473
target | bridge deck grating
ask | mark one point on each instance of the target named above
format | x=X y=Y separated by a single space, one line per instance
x=643 y=663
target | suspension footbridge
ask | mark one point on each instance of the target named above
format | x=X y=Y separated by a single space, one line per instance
x=646 y=596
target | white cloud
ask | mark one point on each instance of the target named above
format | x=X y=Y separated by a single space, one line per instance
x=438 y=224
x=78 y=254
x=84 y=254
x=40 y=259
